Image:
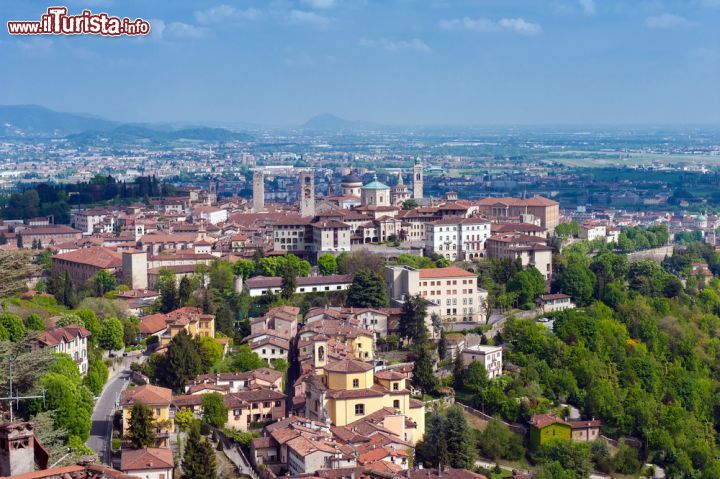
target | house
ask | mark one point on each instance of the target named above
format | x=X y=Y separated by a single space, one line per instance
x=190 y=319
x=158 y=399
x=270 y=348
x=44 y=236
x=545 y=427
x=237 y=381
x=488 y=356
x=348 y=390
x=137 y=299
x=70 y=339
x=148 y=462
x=555 y=302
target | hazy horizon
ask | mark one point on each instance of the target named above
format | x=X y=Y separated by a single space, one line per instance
x=399 y=63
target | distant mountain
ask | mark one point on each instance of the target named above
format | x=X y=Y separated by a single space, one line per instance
x=328 y=122
x=141 y=134
x=28 y=121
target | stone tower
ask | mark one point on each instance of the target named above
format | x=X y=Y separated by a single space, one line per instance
x=258 y=191
x=135 y=269
x=320 y=351
x=417 y=179
x=307 y=193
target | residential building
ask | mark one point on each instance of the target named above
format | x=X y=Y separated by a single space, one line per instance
x=156 y=398
x=530 y=250
x=259 y=285
x=70 y=339
x=547 y=427
x=556 y=302
x=488 y=356
x=457 y=238
x=504 y=209
x=148 y=462
x=45 y=236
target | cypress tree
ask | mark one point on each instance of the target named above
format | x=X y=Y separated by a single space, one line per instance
x=199 y=458
x=142 y=427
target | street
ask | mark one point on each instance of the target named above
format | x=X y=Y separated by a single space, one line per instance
x=101 y=428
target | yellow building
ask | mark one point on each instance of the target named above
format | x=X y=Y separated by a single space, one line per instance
x=348 y=390
x=193 y=320
x=360 y=341
x=158 y=400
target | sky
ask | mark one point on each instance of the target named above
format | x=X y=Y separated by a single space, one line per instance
x=394 y=62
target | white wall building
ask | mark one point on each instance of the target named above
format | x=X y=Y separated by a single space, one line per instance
x=456 y=238
x=489 y=356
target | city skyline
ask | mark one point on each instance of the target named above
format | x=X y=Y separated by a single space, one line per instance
x=392 y=63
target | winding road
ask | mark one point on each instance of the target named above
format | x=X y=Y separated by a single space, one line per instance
x=102 y=416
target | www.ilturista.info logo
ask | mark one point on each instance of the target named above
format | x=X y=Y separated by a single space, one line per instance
x=57 y=22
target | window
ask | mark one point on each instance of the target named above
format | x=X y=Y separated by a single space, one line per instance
x=396 y=404
x=277 y=403
x=157 y=412
x=266 y=404
x=359 y=409
x=396 y=386
x=356 y=383
x=254 y=405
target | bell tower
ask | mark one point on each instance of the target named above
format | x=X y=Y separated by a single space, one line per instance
x=417 y=179
x=320 y=352
x=258 y=191
x=307 y=193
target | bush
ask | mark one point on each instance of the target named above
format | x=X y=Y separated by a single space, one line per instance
x=116 y=445
x=205 y=429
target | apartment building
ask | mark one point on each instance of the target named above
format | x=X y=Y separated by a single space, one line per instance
x=488 y=356
x=452 y=292
x=530 y=250
x=71 y=340
x=456 y=238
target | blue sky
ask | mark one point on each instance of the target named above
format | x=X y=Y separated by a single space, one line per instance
x=422 y=62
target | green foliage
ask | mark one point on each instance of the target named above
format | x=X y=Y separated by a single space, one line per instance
x=214 y=411
x=184 y=419
x=111 y=334
x=241 y=437
x=34 y=323
x=577 y=280
x=279 y=364
x=221 y=275
x=410 y=204
x=412 y=319
x=327 y=264
x=637 y=238
x=568 y=230
x=244 y=359
x=169 y=299
x=528 y=284
x=104 y=282
x=16 y=268
x=423 y=375
x=72 y=404
x=211 y=350
x=96 y=376
x=65 y=366
x=14 y=326
x=498 y=442
x=141 y=428
x=244 y=268
x=571 y=456
x=182 y=362
x=278 y=265
x=447 y=441
x=131 y=330
x=433 y=449
x=199 y=457
x=367 y=290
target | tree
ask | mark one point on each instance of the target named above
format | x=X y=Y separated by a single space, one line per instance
x=460 y=450
x=566 y=230
x=181 y=362
x=367 y=290
x=72 y=404
x=14 y=326
x=412 y=319
x=131 y=330
x=34 y=323
x=199 y=458
x=16 y=268
x=104 y=282
x=289 y=283
x=497 y=441
x=410 y=204
x=244 y=268
x=185 y=291
x=476 y=380
x=167 y=285
x=96 y=376
x=432 y=450
x=578 y=281
x=458 y=371
x=246 y=360
x=141 y=429
x=210 y=350
x=221 y=275
x=111 y=335
x=572 y=457
x=65 y=366
x=214 y=411
x=327 y=264
x=442 y=347
x=528 y=284
x=423 y=374
x=184 y=419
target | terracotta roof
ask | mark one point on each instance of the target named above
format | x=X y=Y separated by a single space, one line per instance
x=147 y=394
x=448 y=272
x=147 y=458
x=552 y=297
x=348 y=366
x=49 y=230
x=98 y=257
x=64 y=334
x=543 y=420
x=448 y=473
x=153 y=323
x=262 y=282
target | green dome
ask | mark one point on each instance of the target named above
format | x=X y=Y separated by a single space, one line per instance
x=376 y=185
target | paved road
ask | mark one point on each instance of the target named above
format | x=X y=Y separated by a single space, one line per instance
x=101 y=429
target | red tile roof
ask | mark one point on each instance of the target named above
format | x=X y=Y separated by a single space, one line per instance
x=147 y=458
x=448 y=272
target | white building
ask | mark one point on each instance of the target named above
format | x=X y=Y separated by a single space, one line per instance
x=71 y=340
x=452 y=292
x=489 y=356
x=556 y=302
x=591 y=231
x=211 y=214
x=456 y=238
x=259 y=285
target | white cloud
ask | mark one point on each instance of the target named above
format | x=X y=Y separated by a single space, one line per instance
x=414 y=44
x=308 y=18
x=520 y=26
x=517 y=25
x=159 y=30
x=319 y=3
x=223 y=13
x=669 y=20
x=588 y=6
